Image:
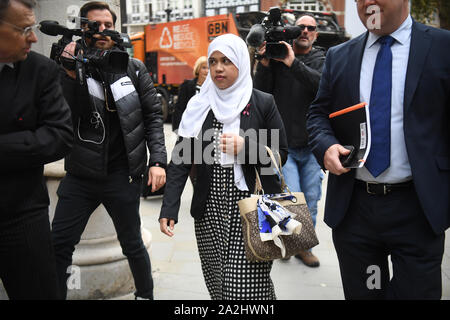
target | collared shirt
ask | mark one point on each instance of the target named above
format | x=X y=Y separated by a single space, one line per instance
x=2 y=64
x=399 y=169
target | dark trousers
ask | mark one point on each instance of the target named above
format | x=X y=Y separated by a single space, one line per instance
x=27 y=262
x=78 y=198
x=377 y=226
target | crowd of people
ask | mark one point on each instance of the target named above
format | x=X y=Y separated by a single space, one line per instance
x=395 y=205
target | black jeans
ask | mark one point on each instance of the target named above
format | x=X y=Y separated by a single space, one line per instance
x=78 y=198
x=27 y=261
x=376 y=226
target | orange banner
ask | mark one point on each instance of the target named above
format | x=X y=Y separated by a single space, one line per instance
x=180 y=43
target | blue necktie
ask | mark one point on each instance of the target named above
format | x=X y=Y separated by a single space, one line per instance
x=380 y=110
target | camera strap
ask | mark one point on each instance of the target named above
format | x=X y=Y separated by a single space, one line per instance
x=80 y=69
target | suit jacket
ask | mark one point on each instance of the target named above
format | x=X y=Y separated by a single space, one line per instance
x=262 y=114
x=425 y=122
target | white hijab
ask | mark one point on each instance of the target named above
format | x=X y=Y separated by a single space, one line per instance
x=226 y=104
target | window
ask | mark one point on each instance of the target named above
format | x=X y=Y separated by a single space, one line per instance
x=159 y=5
x=311 y=5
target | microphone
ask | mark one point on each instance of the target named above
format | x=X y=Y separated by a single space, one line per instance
x=255 y=37
x=52 y=28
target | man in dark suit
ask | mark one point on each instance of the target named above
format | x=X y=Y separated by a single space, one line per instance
x=35 y=129
x=398 y=203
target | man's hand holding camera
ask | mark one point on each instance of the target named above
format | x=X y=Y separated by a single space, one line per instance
x=287 y=60
x=68 y=53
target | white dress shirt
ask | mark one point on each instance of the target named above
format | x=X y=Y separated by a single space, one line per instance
x=2 y=64
x=399 y=169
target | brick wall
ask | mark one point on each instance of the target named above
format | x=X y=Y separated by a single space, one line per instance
x=267 y=4
x=339 y=10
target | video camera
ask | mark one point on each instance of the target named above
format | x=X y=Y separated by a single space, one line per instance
x=272 y=30
x=113 y=61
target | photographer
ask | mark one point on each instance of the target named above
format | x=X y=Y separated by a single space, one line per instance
x=294 y=81
x=114 y=116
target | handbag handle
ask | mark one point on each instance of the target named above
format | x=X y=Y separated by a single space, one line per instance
x=258 y=184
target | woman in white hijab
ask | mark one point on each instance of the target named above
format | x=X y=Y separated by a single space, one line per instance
x=216 y=136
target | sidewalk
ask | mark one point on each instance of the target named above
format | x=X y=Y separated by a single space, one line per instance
x=177 y=270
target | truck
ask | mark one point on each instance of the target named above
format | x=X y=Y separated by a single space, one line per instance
x=170 y=49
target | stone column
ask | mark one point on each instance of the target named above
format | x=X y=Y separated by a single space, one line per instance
x=101 y=270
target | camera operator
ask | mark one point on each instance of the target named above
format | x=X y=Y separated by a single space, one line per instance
x=115 y=116
x=294 y=81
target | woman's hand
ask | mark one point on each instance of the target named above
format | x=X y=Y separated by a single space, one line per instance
x=231 y=143
x=167 y=226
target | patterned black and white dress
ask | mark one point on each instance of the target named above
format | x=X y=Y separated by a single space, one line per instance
x=227 y=272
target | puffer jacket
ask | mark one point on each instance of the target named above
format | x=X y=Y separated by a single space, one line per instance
x=140 y=118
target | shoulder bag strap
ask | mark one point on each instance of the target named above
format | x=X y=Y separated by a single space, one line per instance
x=278 y=167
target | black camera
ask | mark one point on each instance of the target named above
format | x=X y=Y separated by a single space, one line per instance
x=113 y=61
x=272 y=30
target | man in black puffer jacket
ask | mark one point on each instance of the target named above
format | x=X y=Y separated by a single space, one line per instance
x=115 y=118
x=294 y=82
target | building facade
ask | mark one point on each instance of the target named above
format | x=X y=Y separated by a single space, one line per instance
x=215 y=7
x=143 y=12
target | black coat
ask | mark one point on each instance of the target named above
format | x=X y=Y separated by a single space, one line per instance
x=294 y=89
x=35 y=129
x=262 y=114
x=186 y=92
x=141 y=124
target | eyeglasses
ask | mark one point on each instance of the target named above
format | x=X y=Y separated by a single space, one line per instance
x=310 y=28
x=26 y=32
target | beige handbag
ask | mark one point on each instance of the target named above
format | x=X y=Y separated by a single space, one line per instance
x=258 y=250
